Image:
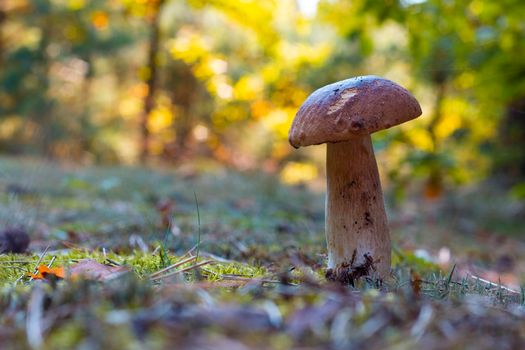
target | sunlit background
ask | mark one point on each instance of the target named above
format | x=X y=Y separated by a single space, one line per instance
x=166 y=82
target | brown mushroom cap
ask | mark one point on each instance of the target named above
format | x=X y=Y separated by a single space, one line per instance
x=356 y=106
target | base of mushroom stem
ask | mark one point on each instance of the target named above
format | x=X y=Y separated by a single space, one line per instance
x=348 y=273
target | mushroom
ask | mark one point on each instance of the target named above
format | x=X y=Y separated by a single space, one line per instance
x=344 y=115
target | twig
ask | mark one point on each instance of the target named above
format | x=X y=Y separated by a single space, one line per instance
x=112 y=262
x=199 y=224
x=39 y=262
x=492 y=284
x=190 y=251
x=36 y=267
x=451 y=273
x=52 y=261
x=249 y=279
x=177 y=264
x=211 y=272
x=207 y=262
x=217 y=258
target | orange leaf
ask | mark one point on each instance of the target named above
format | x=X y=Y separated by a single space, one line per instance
x=415 y=283
x=44 y=272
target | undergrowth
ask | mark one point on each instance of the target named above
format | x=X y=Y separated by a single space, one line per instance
x=262 y=285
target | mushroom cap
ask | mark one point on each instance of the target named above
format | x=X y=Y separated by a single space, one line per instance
x=355 y=106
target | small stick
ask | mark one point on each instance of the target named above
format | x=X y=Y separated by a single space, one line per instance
x=216 y=257
x=199 y=224
x=189 y=252
x=249 y=279
x=39 y=261
x=492 y=284
x=177 y=264
x=52 y=261
x=112 y=262
x=183 y=270
x=36 y=268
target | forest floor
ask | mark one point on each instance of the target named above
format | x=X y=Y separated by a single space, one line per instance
x=250 y=256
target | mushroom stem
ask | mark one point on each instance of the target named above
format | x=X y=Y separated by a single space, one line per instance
x=355 y=213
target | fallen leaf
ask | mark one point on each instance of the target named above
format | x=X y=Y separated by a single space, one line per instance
x=415 y=283
x=44 y=272
x=93 y=270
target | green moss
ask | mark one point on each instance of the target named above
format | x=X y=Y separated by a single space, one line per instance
x=17 y=266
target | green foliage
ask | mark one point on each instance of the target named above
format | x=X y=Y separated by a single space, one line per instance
x=50 y=60
x=232 y=74
x=464 y=54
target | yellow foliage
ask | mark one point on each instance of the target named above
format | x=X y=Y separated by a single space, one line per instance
x=465 y=80
x=194 y=49
x=228 y=114
x=155 y=147
x=139 y=90
x=506 y=41
x=73 y=33
x=249 y=87
x=202 y=71
x=144 y=73
x=259 y=108
x=280 y=149
x=299 y=53
x=9 y=126
x=278 y=121
x=220 y=87
x=296 y=172
x=421 y=139
x=32 y=37
x=76 y=4
x=476 y=7
x=100 y=20
x=271 y=73
x=160 y=119
x=189 y=46
x=447 y=125
x=129 y=107
x=451 y=119
x=217 y=66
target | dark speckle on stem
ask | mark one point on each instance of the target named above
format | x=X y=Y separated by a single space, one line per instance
x=368 y=219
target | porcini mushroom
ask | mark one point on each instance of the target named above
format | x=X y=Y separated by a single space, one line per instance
x=344 y=115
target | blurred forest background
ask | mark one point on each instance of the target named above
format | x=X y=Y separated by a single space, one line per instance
x=167 y=81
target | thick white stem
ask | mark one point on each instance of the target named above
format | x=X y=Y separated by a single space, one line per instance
x=355 y=212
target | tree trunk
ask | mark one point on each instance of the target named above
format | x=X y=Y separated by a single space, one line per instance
x=43 y=113
x=152 y=79
x=437 y=115
x=434 y=183
x=3 y=19
x=509 y=158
